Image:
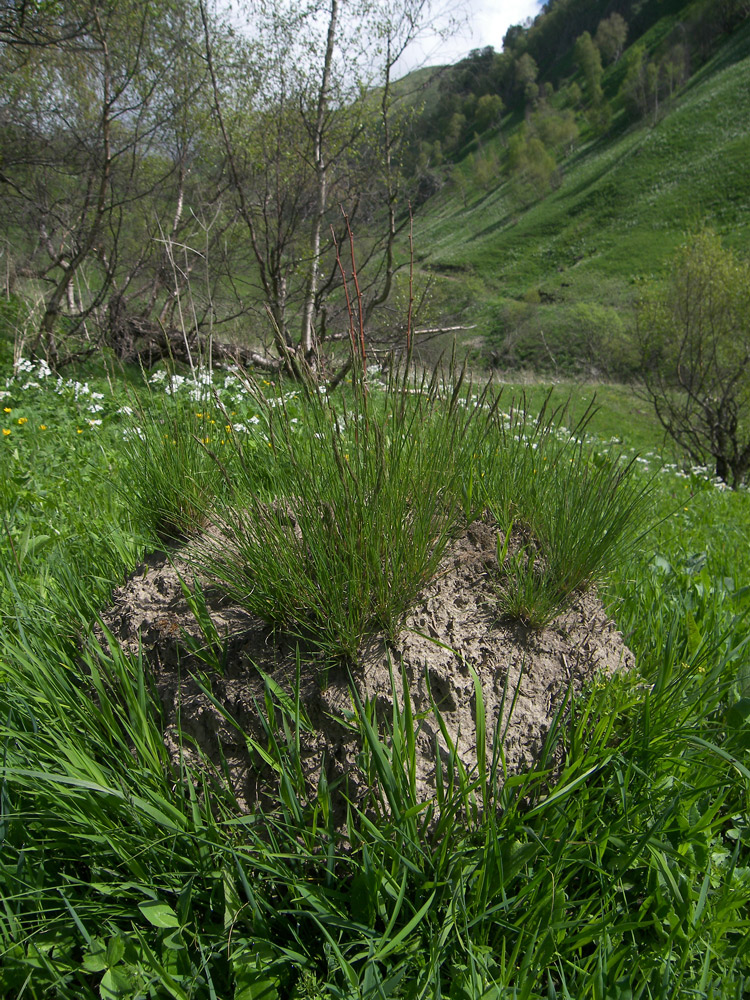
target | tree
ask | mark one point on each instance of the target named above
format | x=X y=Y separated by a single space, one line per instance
x=674 y=68
x=610 y=37
x=557 y=130
x=728 y=14
x=316 y=129
x=694 y=344
x=531 y=166
x=96 y=138
x=636 y=89
x=454 y=133
x=648 y=82
x=590 y=63
x=488 y=112
x=526 y=75
x=459 y=180
x=487 y=169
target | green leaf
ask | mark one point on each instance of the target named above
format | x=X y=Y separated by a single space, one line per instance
x=33 y=545
x=159 y=914
x=569 y=788
x=695 y=638
x=95 y=959
x=116 y=983
x=232 y=903
x=659 y=562
x=256 y=986
x=738 y=714
x=405 y=931
x=115 y=950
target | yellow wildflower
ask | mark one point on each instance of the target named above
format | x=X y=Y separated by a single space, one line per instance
x=6 y=432
x=22 y=421
x=6 y=409
x=79 y=431
x=42 y=427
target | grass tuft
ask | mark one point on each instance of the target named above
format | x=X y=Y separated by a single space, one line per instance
x=365 y=501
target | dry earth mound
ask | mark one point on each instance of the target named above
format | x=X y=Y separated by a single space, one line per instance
x=453 y=629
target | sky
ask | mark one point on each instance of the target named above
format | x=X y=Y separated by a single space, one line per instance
x=486 y=21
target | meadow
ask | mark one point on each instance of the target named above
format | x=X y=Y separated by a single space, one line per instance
x=624 y=872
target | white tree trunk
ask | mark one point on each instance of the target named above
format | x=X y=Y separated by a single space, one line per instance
x=307 y=340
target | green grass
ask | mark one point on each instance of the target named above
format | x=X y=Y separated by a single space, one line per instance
x=576 y=511
x=365 y=500
x=616 y=413
x=127 y=875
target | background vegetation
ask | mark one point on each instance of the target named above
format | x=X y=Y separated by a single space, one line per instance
x=548 y=181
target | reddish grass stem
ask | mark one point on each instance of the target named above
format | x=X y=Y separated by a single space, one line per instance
x=359 y=293
x=349 y=309
x=411 y=286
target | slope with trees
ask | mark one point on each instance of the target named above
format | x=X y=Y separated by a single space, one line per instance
x=554 y=271
x=168 y=180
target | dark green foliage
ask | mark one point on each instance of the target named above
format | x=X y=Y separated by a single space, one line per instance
x=553 y=33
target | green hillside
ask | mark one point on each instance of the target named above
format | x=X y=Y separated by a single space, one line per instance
x=625 y=201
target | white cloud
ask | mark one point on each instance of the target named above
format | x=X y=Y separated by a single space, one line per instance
x=486 y=22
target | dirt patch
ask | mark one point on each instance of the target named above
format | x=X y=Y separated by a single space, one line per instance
x=452 y=632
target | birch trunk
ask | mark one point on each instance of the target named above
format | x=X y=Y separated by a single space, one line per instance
x=307 y=340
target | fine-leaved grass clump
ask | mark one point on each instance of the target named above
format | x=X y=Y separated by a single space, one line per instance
x=330 y=523
x=566 y=512
x=366 y=496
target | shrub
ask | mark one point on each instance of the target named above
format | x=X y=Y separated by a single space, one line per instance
x=694 y=343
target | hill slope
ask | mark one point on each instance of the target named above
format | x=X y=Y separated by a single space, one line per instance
x=625 y=202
